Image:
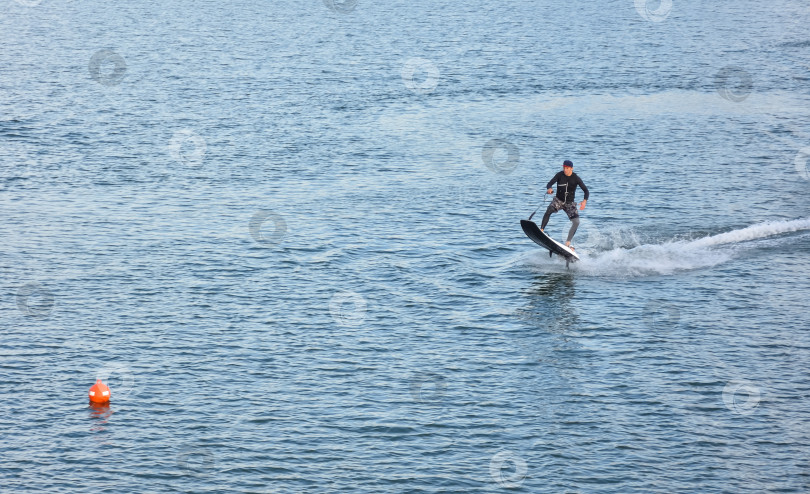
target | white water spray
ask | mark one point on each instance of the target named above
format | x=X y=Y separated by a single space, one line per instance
x=681 y=255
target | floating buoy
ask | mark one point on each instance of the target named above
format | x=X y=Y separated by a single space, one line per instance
x=99 y=392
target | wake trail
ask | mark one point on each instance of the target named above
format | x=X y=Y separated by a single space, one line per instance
x=754 y=232
x=682 y=255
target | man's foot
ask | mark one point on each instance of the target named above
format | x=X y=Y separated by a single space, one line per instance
x=568 y=244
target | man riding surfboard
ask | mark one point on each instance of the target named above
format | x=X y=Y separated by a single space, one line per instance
x=567 y=182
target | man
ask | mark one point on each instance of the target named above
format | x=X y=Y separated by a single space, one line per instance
x=567 y=182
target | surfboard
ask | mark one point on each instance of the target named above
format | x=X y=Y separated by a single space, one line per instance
x=532 y=231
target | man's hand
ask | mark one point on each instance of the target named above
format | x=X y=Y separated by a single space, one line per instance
x=550 y=191
x=582 y=205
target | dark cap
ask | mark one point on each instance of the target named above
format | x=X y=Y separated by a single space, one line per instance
x=568 y=163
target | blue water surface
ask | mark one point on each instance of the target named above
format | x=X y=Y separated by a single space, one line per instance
x=287 y=235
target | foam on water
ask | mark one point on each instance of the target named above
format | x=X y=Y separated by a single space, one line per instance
x=753 y=232
x=681 y=255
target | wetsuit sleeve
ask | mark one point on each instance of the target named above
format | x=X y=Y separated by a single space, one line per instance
x=584 y=189
x=554 y=180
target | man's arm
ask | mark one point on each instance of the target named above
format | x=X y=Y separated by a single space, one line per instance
x=553 y=180
x=585 y=190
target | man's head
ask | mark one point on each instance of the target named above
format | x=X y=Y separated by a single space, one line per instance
x=568 y=168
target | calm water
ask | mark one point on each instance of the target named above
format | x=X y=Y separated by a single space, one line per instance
x=287 y=235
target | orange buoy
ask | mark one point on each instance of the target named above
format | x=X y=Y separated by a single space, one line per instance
x=99 y=392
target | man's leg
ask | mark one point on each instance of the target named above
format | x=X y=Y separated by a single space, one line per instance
x=573 y=230
x=555 y=206
x=546 y=216
x=571 y=211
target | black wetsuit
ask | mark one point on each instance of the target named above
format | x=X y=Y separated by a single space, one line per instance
x=567 y=186
x=566 y=191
